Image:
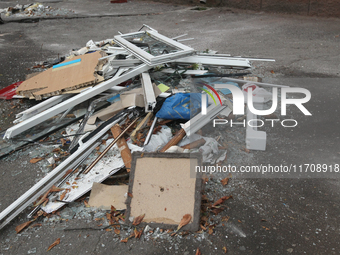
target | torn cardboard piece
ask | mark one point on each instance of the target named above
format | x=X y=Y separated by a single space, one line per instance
x=164 y=188
x=71 y=74
x=103 y=196
x=133 y=97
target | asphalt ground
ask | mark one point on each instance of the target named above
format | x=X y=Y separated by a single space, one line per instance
x=295 y=215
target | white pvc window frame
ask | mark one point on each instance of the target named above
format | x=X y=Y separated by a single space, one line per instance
x=147 y=57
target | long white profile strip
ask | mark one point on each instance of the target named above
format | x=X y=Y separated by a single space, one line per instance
x=179 y=36
x=214 y=55
x=48 y=103
x=125 y=62
x=258 y=59
x=149 y=93
x=228 y=56
x=120 y=72
x=214 y=61
x=198 y=72
x=63 y=106
x=114 y=53
x=117 y=88
x=116 y=48
x=44 y=184
x=201 y=120
x=187 y=39
x=114 y=89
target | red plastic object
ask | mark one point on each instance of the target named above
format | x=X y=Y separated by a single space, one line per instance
x=252 y=86
x=125 y=83
x=118 y=1
x=9 y=91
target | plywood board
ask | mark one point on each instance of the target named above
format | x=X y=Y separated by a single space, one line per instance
x=163 y=190
x=69 y=75
x=103 y=196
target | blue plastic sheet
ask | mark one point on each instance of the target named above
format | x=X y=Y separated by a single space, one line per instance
x=181 y=106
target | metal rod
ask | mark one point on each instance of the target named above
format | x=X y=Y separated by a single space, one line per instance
x=109 y=147
x=33 y=211
x=148 y=137
x=82 y=169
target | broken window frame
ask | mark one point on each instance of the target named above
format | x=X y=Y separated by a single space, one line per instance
x=148 y=58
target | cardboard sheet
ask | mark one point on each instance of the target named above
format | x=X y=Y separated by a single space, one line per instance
x=133 y=97
x=163 y=190
x=69 y=75
x=103 y=196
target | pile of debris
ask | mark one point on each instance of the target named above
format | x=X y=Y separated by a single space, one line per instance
x=117 y=108
x=33 y=10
